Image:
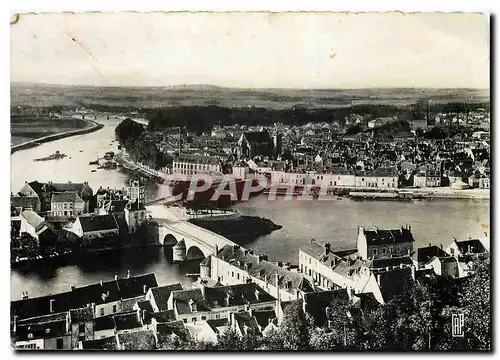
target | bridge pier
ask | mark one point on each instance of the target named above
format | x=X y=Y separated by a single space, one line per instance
x=179 y=251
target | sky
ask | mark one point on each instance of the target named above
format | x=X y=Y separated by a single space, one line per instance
x=253 y=50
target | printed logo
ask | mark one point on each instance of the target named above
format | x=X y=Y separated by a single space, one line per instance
x=457 y=325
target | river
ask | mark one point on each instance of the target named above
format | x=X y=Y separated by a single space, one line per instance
x=436 y=221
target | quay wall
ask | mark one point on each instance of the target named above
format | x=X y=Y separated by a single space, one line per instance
x=35 y=142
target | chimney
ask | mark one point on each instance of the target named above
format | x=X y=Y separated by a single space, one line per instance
x=413 y=272
x=227 y=298
x=144 y=289
x=202 y=288
x=73 y=287
x=143 y=316
x=218 y=279
x=102 y=284
x=128 y=274
x=378 y=279
x=349 y=291
x=25 y=295
x=216 y=249
x=401 y=229
x=327 y=248
x=441 y=246
x=257 y=294
x=51 y=305
x=116 y=277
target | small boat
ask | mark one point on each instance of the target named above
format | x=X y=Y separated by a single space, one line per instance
x=93 y=170
x=56 y=156
x=96 y=162
x=81 y=150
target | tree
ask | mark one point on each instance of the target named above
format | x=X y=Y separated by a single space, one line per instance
x=294 y=329
x=476 y=307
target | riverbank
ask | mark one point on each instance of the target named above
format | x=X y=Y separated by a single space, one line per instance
x=241 y=230
x=94 y=126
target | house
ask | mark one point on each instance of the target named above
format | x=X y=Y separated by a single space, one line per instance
x=44 y=192
x=190 y=164
x=158 y=296
x=467 y=250
x=34 y=225
x=425 y=254
x=104 y=343
x=135 y=215
x=66 y=204
x=22 y=202
x=427 y=178
x=95 y=226
x=105 y=298
x=252 y=144
x=317 y=304
x=235 y=265
x=214 y=303
x=379 y=243
x=443 y=266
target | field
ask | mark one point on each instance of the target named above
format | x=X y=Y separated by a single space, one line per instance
x=202 y=95
x=27 y=129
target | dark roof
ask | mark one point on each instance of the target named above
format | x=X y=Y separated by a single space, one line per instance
x=161 y=295
x=391 y=262
x=137 y=340
x=318 y=301
x=114 y=206
x=145 y=305
x=68 y=196
x=104 y=323
x=24 y=202
x=122 y=222
x=127 y=321
x=393 y=282
x=81 y=315
x=424 y=254
x=245 y=321
x=107 y=343
x=98 y=222
x=46 y=330
x=474 y=246
x=135 y=286
x=263 y=317
x=257 y=137
x=217 y=323
x=367 y=301
x=388 y=237
x=64 y=187
x=80 y=297
x=37 y=187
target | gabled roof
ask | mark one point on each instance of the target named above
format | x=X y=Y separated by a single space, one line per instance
x=388 y=237
x=313 y=249
x=423 y=254
x=64 y=197
x=98 y=222
x=81 y=315
x=161 y=294
x=172 y=327
x=134 y=286
x=244 y=321
x=257 y=137
x=219 y=326
x=164 y=316
x=474 y=246
x=32 y=218
x=263 y=317
x=318 y=301
x=393 y=282
x=145 y=305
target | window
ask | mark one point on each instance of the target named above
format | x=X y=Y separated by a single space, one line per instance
x=193 y=319
x=217 y=316
x=374 y=251
x=81 y=328
x=232 y=274
x=185 y=321
x=238 y=276
x=203 y=318
x=81 y=338
x=59 y=343
x=452 y=251
x=102 y=311
x=335 y=183
x=309 y=260
x=114 y=308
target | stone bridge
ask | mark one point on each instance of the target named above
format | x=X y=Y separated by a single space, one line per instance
x=189 y=241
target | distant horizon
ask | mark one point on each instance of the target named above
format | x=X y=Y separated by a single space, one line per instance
x=34 y=83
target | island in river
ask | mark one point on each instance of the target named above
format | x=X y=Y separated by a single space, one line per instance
x=241 y=230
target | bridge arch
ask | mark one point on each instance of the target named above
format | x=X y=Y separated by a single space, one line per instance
x=194 y=253
x=169 y=240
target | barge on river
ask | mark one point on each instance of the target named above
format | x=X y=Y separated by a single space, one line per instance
x=396 y=195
